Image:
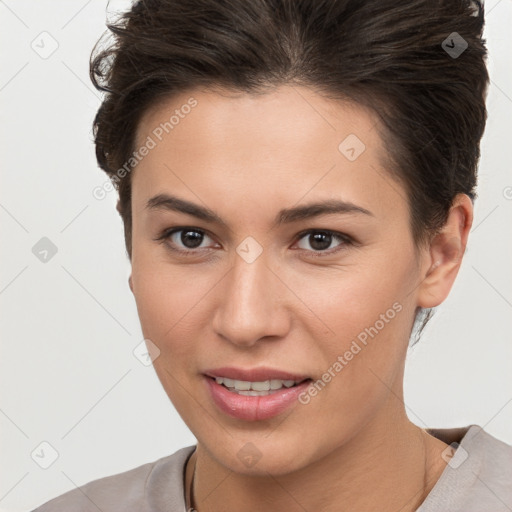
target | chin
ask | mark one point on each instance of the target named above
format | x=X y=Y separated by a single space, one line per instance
x=260 y=456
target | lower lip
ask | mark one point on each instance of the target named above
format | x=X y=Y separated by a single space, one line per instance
x=254 y=408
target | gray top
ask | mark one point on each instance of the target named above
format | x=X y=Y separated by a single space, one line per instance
x=478 y=478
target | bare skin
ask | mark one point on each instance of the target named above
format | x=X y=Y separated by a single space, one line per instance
x=352 y=446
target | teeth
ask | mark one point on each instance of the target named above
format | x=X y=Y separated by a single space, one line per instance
x=241 y=385
x=254 y=388
x=276 y=384
x=252 y=393
x=257 y=386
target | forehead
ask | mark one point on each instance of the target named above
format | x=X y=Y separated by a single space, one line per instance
x=290 y=142
x=288 y=114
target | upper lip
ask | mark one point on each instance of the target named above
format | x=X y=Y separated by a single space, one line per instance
x=260 y=374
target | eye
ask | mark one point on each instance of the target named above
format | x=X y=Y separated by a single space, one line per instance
x=319 y=240
x=184 y=239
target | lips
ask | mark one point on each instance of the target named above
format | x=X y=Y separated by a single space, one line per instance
x=254 y=374
x=254 y=408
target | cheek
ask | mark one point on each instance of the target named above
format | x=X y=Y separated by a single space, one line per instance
x=170 y=301
x=360 y=361
x=169 y=306
x=357 y=297
x=367 y=313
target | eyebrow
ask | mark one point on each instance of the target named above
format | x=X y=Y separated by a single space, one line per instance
x=284 y=216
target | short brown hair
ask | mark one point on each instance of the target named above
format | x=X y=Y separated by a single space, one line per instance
x=393 y=57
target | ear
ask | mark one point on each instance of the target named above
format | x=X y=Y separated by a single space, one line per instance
x=130 y=282
x=444 y=255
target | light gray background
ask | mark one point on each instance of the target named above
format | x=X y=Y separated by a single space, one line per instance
x=69 y=326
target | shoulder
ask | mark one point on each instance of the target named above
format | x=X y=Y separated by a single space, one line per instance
x=131 y=490
x=495 y=472
x=478 y=475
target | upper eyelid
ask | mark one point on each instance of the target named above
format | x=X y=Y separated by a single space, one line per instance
x=342 y=236
x=171 y=231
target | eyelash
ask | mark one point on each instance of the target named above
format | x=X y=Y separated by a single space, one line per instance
x=345 y=239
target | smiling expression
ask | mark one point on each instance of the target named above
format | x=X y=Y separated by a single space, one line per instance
x=259 y=241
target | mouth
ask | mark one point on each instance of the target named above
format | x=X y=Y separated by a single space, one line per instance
x=257 y=397
x=257 y=388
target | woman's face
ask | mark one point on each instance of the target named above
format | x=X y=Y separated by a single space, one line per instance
x=258 y=283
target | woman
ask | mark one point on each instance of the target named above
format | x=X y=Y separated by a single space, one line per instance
x=296 y=180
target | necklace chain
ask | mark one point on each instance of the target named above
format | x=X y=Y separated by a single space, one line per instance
x=190 y=491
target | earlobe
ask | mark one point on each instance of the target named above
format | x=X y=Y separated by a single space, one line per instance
x=445 y=254
x=130 y=283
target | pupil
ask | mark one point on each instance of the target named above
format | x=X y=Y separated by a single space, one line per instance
x=191 y=241
x=320 y=240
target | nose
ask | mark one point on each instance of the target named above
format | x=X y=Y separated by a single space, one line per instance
x=252 y=304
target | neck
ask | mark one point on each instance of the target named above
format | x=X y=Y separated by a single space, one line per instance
x=386 y=467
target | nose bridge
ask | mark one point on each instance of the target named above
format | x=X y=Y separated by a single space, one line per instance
x=249 y=307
